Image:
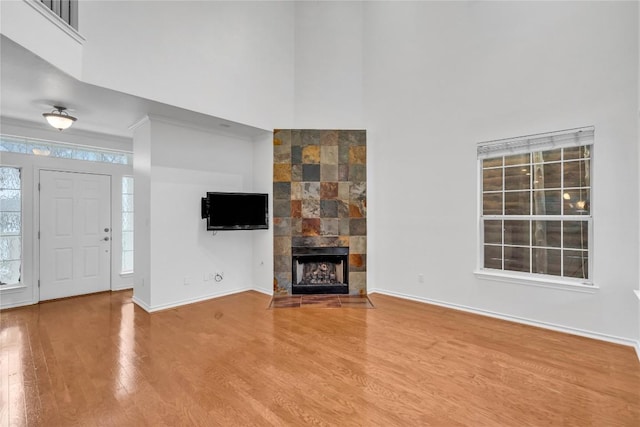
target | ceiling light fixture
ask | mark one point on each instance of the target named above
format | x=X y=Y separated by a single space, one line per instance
x=59 y=118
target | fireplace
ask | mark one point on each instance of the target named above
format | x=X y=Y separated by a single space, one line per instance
x=319 y=201
x=320 y=270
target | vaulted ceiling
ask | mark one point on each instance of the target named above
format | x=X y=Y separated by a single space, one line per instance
x=31 y=86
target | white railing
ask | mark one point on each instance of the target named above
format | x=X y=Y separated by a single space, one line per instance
x=67 y=10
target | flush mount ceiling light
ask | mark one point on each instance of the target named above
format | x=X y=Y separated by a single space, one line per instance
x=59 y=118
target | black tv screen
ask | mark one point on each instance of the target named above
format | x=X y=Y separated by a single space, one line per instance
x=236 y=211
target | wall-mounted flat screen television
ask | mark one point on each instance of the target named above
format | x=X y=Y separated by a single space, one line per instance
x=236 y=211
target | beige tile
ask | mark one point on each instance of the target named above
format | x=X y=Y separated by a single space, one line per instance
x=296 y=191
x=358 y=245
x=329 y=154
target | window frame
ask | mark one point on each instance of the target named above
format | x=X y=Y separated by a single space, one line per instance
x=62 y=150
x=124 y=272
x=530 y=278
x=20 y=284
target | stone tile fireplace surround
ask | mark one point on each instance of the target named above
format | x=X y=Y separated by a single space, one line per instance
x=319 y=201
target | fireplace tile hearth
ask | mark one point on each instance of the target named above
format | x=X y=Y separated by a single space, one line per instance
x=321 y=301
x=355 y=301
x=285 y=301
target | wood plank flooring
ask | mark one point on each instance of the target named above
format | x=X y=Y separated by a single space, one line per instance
x=99 y=360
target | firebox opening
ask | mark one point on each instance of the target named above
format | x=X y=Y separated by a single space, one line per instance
x=320 y=270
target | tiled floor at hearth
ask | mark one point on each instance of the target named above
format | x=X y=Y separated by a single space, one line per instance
x=321 y=301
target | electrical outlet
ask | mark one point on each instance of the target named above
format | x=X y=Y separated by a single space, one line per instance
x=187 y=280
x=420 y=278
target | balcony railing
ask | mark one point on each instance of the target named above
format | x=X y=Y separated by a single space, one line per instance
x=67 y=10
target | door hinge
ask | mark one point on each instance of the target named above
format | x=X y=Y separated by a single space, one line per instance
x=38 y=234
x=38 y=282
x=38 y=186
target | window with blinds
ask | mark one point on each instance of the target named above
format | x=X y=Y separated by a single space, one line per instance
x=535 y=205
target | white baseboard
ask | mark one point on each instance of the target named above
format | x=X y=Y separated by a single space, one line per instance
x=160 y=307
x=143 y=305
x=264 y=291
x=122 y=288
x=559 y=328
x=17 y=304
x=150 y=309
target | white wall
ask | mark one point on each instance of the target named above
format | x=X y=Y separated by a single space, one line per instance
x=30 y=166
x=142 y=213
x=440 y=77
x=638 y=110
x=263 y=239
x=328 y=65
x=232 y=60
x=185 y=163
x=52 y=41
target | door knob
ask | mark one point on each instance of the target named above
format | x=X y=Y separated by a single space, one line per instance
x=106 y=239
x=106 y=229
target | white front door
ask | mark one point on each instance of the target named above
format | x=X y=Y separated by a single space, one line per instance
x=75 y=234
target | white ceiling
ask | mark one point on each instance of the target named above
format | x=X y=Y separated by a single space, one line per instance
x=30 y=86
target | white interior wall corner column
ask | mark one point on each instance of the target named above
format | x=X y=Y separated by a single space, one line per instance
x=142 y=209
x=263 y=239
x=638 y=171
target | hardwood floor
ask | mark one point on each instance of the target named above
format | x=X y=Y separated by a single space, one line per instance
x=98 y=360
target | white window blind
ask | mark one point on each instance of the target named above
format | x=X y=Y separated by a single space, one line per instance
x=539 y=142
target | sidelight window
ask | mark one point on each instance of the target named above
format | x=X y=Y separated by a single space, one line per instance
x=10 y=226
x=535 y=205
x=127 y=224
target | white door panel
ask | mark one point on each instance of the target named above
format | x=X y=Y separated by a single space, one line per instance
x=75 y=249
